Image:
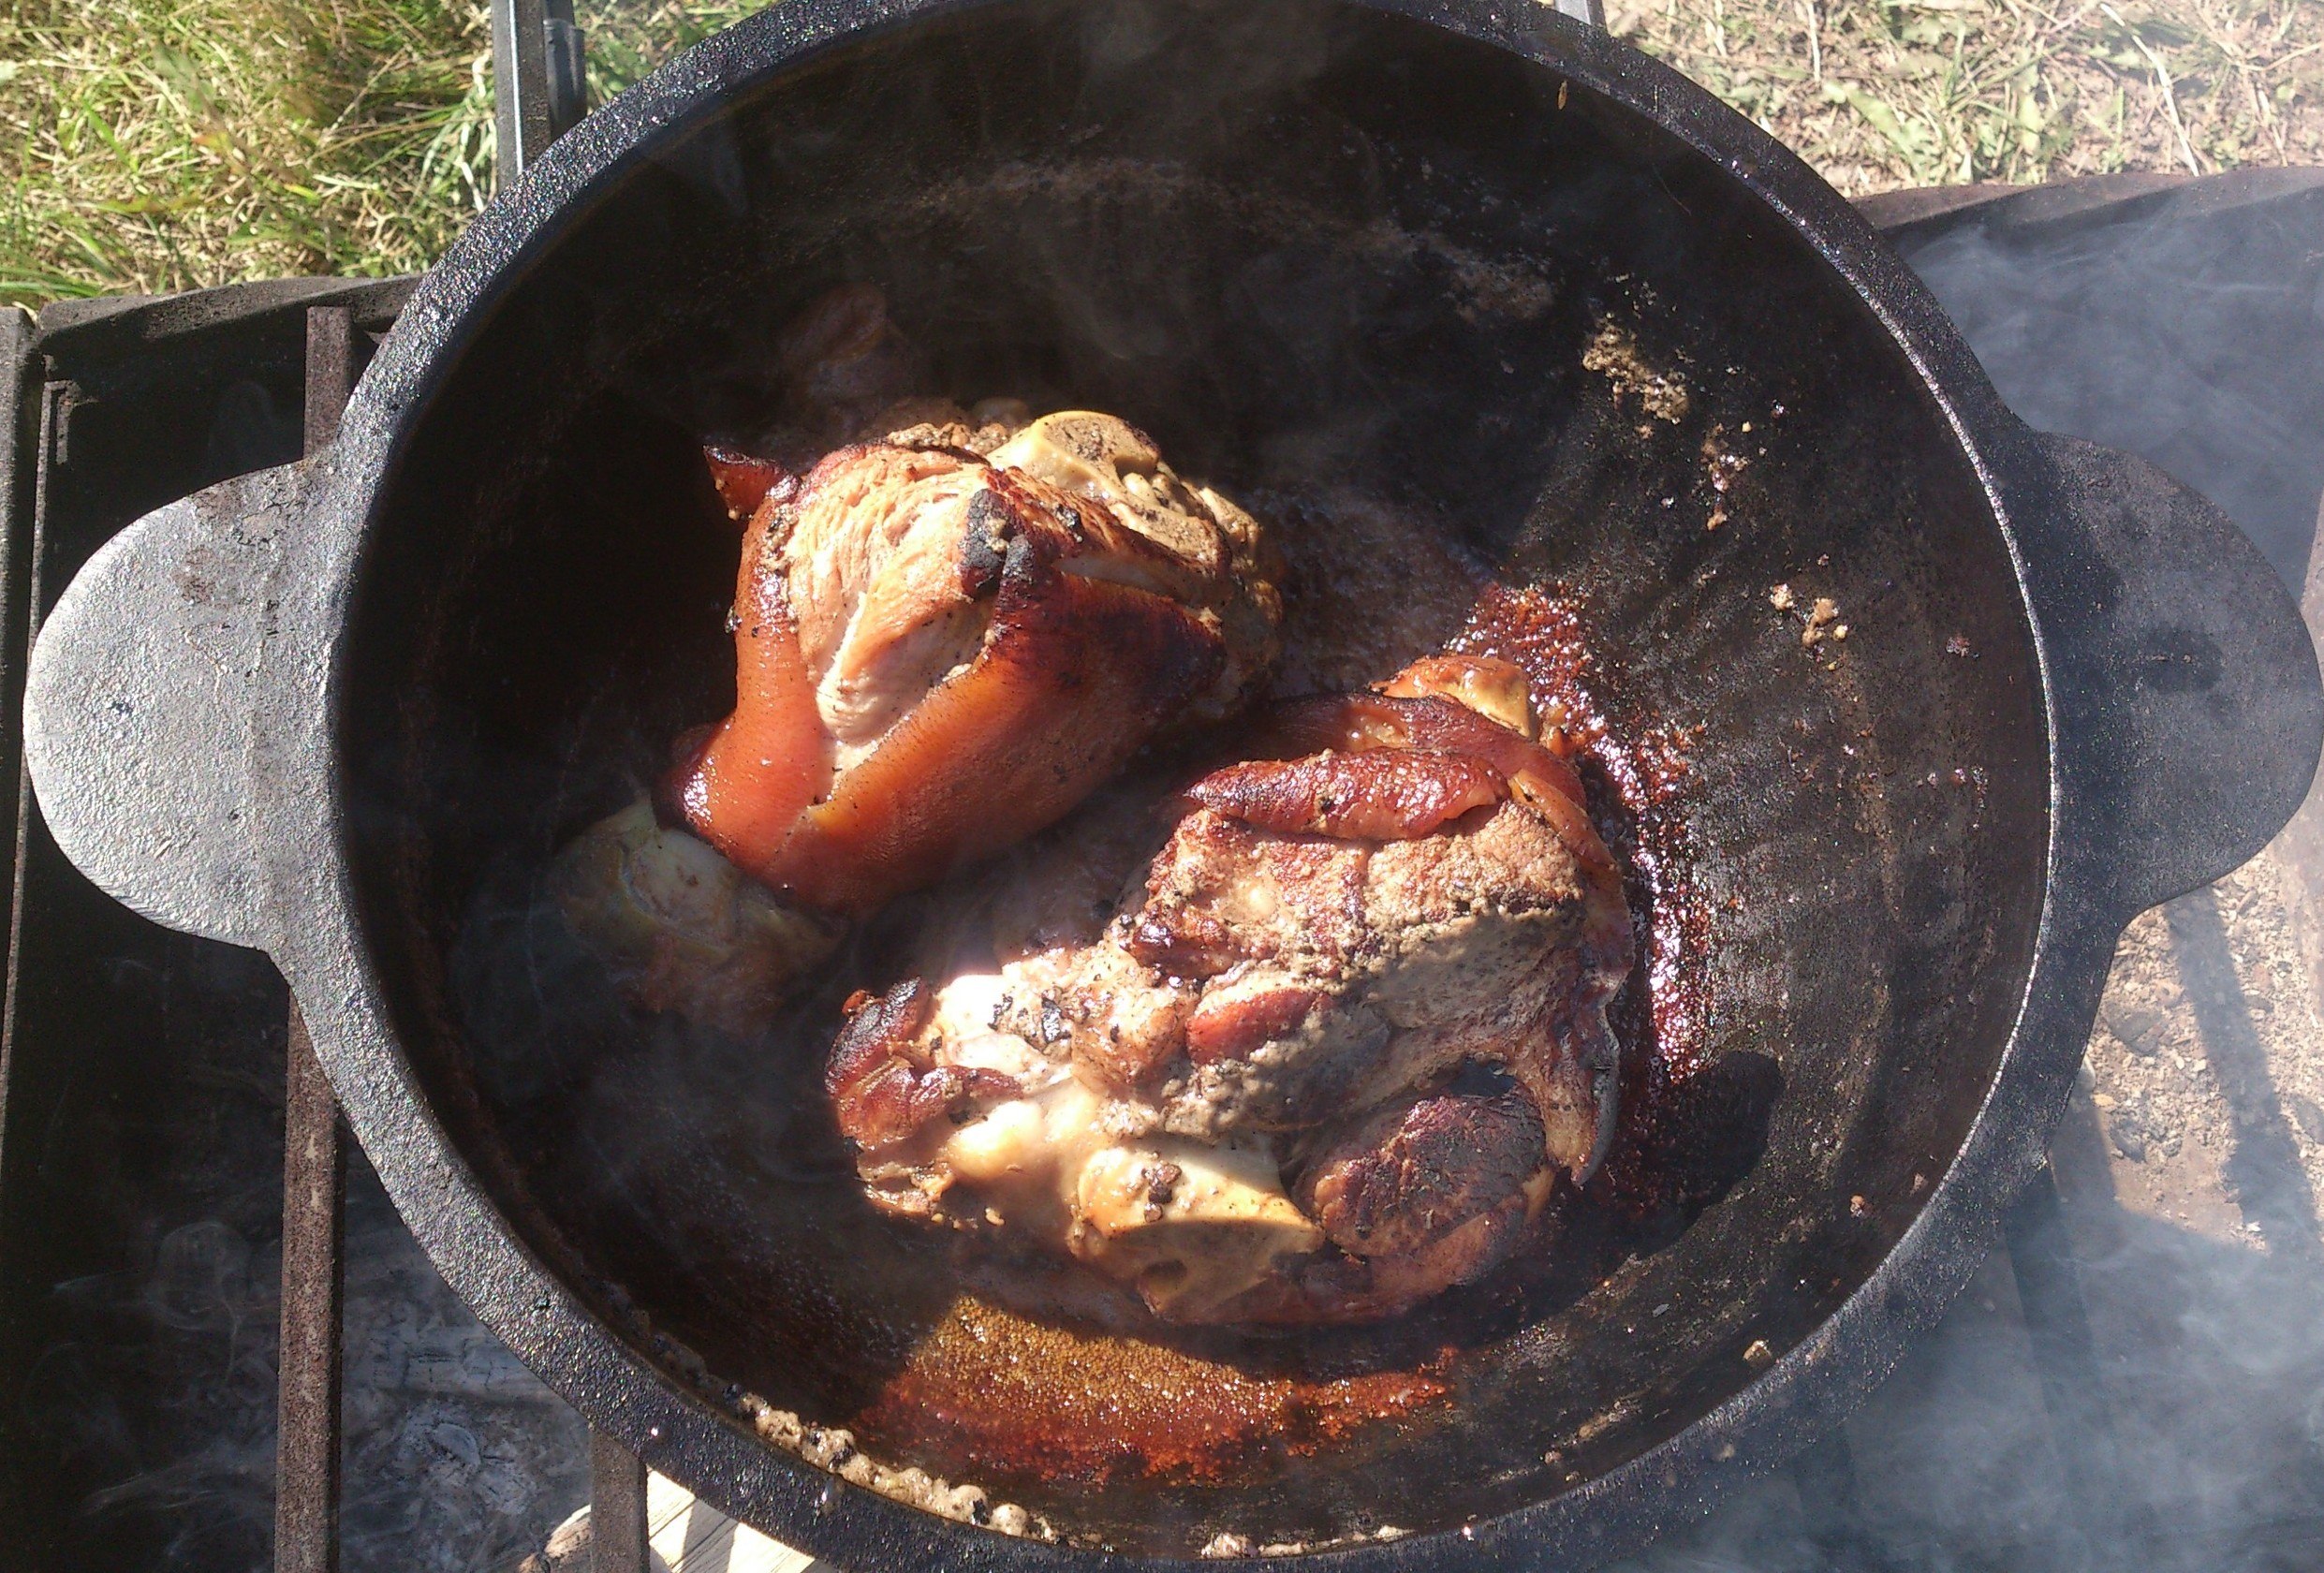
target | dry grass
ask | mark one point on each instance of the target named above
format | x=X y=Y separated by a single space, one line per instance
x=1883 y=93
x=163 y=144
x=151 y=145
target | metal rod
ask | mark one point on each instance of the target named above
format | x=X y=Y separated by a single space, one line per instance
x=617 y=1542
x=2112 y=1519
x=520 y=81
x=307 y=1361
x=565 y=51
x=306 y=1444
x=23 y=429
x=23 y=507
x=2263 y=1170
x=540 y=90
x=330 y=371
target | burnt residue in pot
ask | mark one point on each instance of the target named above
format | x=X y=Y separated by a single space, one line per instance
x=1693 y=1120
x=1378 y=281
x=1029 y=1375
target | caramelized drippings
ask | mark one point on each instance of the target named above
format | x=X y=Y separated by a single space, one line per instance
x=1022 y=1397
x=1071 y=1393
x=1637 y=777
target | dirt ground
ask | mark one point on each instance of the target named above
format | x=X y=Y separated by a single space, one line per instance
x=1886 y=94
x=2206 y=1069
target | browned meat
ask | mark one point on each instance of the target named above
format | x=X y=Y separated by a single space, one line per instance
x=1386 y=795
x=938 y=653
x=1431 y=1191
x=1231 y=1024
x=946 y=637
x=745 y=482
x=1291 y=1007
x=1422 y=1171
x=886 y=1091
x=878 y=1089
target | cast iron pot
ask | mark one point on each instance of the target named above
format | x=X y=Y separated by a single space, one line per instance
x=342 y=712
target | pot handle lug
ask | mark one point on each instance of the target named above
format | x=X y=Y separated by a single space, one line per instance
x=2192 y=707
x=141 y=706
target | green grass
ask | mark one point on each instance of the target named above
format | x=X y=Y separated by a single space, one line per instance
x=154 y=145
x=163 y=144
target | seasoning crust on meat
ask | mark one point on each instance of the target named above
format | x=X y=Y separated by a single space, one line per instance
x=939 y=652
x=1341 y=1041
x=950 y=626
x=1309 y=1036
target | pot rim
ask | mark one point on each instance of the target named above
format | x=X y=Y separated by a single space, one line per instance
x=333 y=971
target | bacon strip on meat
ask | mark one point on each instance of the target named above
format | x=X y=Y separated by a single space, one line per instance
x=1383 y=795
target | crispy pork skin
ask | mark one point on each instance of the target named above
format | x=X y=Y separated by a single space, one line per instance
x=939 y=652
x=1345 y=1029
x=950 y=626
x=1386 y=795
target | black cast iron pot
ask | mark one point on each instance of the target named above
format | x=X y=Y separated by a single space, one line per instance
x=343 y=712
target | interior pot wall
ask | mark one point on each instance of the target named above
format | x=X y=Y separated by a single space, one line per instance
x=1301 y=240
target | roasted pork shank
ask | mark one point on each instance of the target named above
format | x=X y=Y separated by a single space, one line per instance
x=952 y=628
x=1332 y=1053
x=941 y=650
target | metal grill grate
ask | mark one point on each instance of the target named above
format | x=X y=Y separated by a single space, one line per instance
x=113 y=408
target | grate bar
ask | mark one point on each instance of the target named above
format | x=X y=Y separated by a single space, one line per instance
x=306 y=1447
x=330 y=371
x=617 y=1537
x=2110 y=1516
x=308 y=1358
